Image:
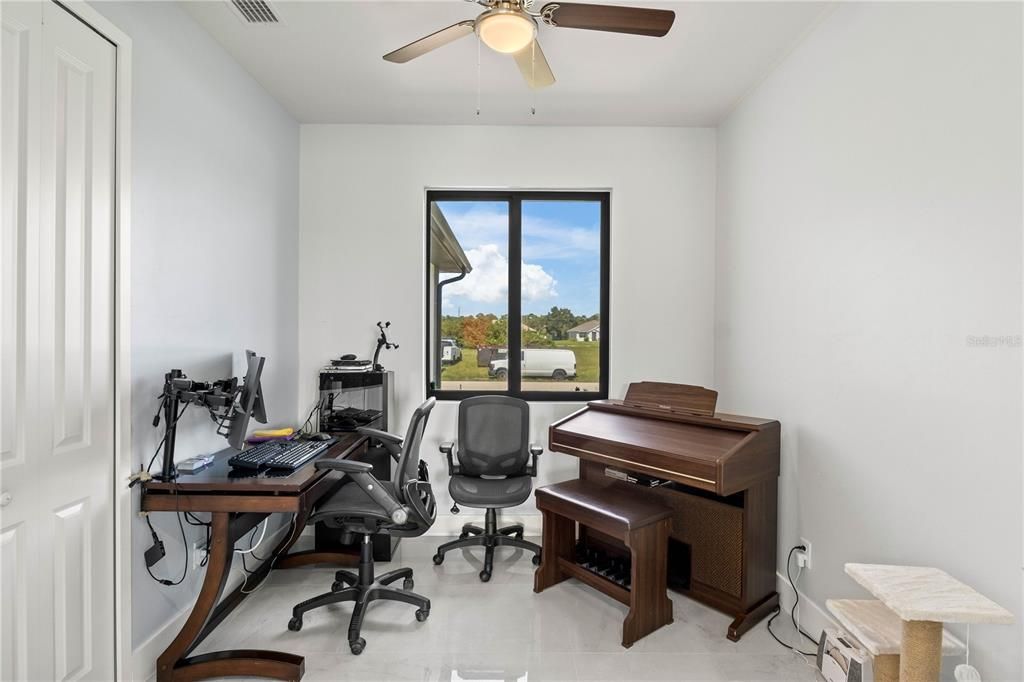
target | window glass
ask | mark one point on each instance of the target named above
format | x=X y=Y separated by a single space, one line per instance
x=561 y=295
x=517 y=294
x=469 y=258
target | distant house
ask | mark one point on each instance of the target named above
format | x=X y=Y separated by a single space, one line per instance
x=588 y=331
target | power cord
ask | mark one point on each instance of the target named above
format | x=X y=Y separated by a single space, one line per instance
x=307 y=426
x=160 y=446
x=792 y=611
x=193 y=520
x=158 y=545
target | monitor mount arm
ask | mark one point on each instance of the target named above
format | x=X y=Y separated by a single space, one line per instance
x=218 y=397
x=382 y=343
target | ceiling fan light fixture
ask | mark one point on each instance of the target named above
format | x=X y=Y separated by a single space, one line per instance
x=506 y=31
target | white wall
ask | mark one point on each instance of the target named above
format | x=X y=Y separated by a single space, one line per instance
x=869 y=223
x=363 y=242
x=214 y=250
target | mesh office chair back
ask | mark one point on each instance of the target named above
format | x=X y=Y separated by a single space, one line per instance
x=407 y=468
x=493 y=436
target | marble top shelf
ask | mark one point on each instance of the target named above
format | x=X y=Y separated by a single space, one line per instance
x=878 y=628
x=927 y=594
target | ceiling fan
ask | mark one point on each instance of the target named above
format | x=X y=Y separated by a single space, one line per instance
x=510 y=27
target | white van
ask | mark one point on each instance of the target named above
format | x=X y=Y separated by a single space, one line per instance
x=556 y=363
x=450 y=352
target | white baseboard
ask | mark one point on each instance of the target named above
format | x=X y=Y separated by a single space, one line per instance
x=811 y=616
x=144 y=656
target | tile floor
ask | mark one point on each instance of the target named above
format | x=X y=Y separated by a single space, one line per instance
x=496 y=631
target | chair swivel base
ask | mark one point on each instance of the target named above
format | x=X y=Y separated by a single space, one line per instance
x=489 y=537
x=363 y=588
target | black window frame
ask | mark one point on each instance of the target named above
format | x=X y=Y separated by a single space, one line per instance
x=515 y=245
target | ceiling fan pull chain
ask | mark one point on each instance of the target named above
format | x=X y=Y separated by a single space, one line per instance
x=533 y=78
x=478 y=75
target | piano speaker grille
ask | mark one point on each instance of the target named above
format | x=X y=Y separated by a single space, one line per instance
x=714 y=532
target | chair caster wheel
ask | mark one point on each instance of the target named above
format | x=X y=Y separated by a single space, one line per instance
x=407 y=584
x=337 y=585
x=357 y=646
x=295 y=624
x=421 y=614
x=485 y=576
x=536 y=559
x=438 y=559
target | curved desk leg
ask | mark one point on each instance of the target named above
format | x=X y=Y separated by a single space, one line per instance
x=307 y=558
x=172 y=665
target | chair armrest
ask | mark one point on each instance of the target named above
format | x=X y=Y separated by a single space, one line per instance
x=391 y=442
x=383 y=436
x=421 y=503
x=535 y=452
x=378 y=493
x=348 y=466
x=447 y=448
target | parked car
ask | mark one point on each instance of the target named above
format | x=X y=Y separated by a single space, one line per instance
x=556 y=363
x=450 y=352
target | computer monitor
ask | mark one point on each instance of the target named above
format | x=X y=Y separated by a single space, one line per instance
x=250 y=402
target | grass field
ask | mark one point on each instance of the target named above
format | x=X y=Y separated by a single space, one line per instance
x=588 y=363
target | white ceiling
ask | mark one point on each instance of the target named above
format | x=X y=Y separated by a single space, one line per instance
x=323 y=63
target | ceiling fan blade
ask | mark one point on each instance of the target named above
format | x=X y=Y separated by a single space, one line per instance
x=534 y=66
x=636 y=20
x=424 y=45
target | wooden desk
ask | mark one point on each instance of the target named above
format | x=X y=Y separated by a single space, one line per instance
x=237 y=504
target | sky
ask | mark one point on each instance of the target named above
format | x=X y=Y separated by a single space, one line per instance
x=561 y=256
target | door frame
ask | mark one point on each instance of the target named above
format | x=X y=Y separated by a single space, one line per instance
x=121 y=495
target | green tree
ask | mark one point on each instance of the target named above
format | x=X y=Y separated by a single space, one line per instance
x=536 y=339
x=497 y=332
x=559 y=321
x=451 y=328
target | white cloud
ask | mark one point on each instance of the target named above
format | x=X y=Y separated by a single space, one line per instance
x=480 y=225
x=488 y=282
x=537 y=284
x=543 y=238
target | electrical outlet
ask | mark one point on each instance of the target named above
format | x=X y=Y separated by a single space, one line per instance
x=198 y=553
x=804 y=557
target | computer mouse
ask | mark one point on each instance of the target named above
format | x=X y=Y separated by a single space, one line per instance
x=320 y=436
x=348 y=356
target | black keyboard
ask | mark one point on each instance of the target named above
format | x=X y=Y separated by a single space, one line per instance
x=258 y=455
x=300 y=453
x=280 y=454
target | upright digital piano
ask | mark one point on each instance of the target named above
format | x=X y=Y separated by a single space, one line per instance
x=717 y=472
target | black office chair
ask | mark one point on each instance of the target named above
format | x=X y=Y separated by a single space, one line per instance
x=403 y=506
x=493 y=472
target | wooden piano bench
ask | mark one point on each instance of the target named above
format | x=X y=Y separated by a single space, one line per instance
x=635 y=520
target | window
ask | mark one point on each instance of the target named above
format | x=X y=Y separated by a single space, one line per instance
x=517 y=294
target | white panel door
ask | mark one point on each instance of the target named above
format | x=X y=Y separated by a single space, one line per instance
x=57 y=459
